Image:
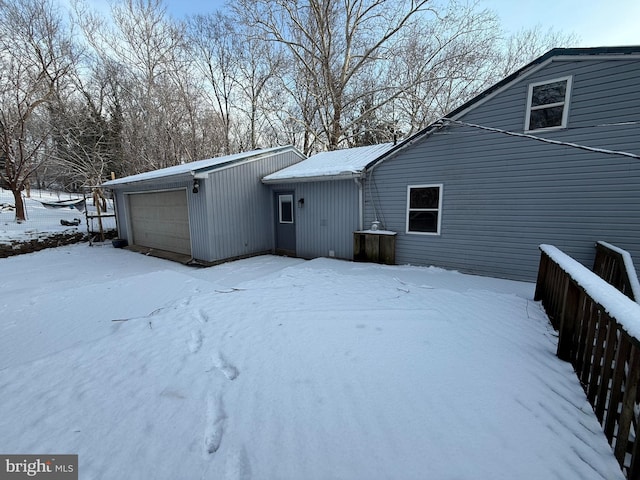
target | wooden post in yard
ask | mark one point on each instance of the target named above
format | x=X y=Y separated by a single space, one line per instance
x=96 y=203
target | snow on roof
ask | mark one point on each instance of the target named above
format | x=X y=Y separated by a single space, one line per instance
x=326 y=165
x=194 y=167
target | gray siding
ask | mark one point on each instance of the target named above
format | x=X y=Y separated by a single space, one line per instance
x=327 y=219
x=231 y=213
x=239 y=215
x=504 y=195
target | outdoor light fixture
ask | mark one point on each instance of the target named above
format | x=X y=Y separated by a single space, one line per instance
x=300 y=202
x=196 y=185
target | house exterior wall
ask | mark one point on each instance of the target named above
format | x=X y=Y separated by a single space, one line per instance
x=231 y=213
x=328 y=218
x=505 y=195
x=239 y=212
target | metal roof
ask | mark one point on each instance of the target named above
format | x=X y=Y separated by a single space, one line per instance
x=200 y=166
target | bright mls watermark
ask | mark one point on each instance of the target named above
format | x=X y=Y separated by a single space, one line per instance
x=50 y=467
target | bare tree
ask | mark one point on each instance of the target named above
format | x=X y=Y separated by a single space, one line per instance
x=259 y=66
x=213 y=42
x=35 y=55
x=448 y=60
x=156 y=87
x=443 y=62
x=86 y=132
x=332 y=41
x=519 y=48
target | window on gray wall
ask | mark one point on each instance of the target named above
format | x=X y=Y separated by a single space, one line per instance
x=285 y=207
x=548 y=104
x=424 y=209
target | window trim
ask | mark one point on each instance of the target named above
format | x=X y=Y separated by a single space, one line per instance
x=564 y=104
x=438 y=231
x=280 y=202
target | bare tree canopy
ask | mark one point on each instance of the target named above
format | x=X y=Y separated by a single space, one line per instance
x=149 y=91
x=333 y=43
x=35 y=56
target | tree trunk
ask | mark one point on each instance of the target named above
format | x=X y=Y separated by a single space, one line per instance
x=20 y=211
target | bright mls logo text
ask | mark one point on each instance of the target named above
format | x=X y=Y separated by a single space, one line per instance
x=58 y=467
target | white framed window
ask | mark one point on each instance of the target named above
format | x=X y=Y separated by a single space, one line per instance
x=285 y=208
x=548 y=104
x=424 y=209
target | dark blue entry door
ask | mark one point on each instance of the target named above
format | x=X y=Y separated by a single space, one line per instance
x=285 y=223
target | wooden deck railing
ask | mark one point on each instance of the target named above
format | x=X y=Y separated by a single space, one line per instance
x=616 y=268
x=599 y=328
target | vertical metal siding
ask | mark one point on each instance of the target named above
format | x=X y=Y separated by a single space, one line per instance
x=240 y=207
x=327 y=219
x=231 y=213
x=504 y=195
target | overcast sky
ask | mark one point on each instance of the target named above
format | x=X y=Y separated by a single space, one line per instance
x=597 y=23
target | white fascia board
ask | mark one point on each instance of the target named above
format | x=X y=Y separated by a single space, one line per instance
x=184 y=176
x=317 y=178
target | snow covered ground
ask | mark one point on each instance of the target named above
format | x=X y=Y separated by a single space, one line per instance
x=277 y=368
x=42 y=221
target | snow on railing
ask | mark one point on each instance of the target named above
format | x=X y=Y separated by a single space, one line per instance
x=615 y=265
x=615 y=303
x=599 y=333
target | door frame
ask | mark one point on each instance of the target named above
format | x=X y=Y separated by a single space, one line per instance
x=290 y=224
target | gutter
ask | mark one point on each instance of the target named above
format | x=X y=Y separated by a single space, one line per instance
x=315 y=178
x=358 y=181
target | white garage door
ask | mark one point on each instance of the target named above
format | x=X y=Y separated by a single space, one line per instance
x=161 y=220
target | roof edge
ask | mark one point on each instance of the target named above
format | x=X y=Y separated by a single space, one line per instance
x=577 y=53
x=202 y=171
x=314 y=178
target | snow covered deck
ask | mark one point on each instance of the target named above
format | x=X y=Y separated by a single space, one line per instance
x=280 y=368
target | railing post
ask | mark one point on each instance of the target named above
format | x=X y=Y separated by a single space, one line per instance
x=605 y=355
x=628 y=404
x=569 y=309
x=542 y=277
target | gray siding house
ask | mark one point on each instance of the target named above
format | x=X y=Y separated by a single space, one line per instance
x=319 y=202
x=551 y=154
x=206 y=211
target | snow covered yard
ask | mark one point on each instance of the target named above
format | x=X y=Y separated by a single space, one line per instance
x=277 y=368
x=44 y=222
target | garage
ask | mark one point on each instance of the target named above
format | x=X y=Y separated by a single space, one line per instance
x=201 y=212
x=160 y=220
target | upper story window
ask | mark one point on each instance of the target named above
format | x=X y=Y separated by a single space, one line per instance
x=548 y=104
x=424 y=207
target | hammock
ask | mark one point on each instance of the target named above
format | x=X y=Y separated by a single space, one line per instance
x=77 y=203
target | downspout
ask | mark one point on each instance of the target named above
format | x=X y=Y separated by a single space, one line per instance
x=360 y=203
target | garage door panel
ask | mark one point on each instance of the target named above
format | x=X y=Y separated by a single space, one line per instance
x=161 y=220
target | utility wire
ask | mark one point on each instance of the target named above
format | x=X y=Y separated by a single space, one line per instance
x=545 y=140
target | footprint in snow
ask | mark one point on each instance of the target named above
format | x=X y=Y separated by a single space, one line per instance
x=225 y=367
x=237 y=466
x=196 y=341
x=202 y=316
x=214 y=428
